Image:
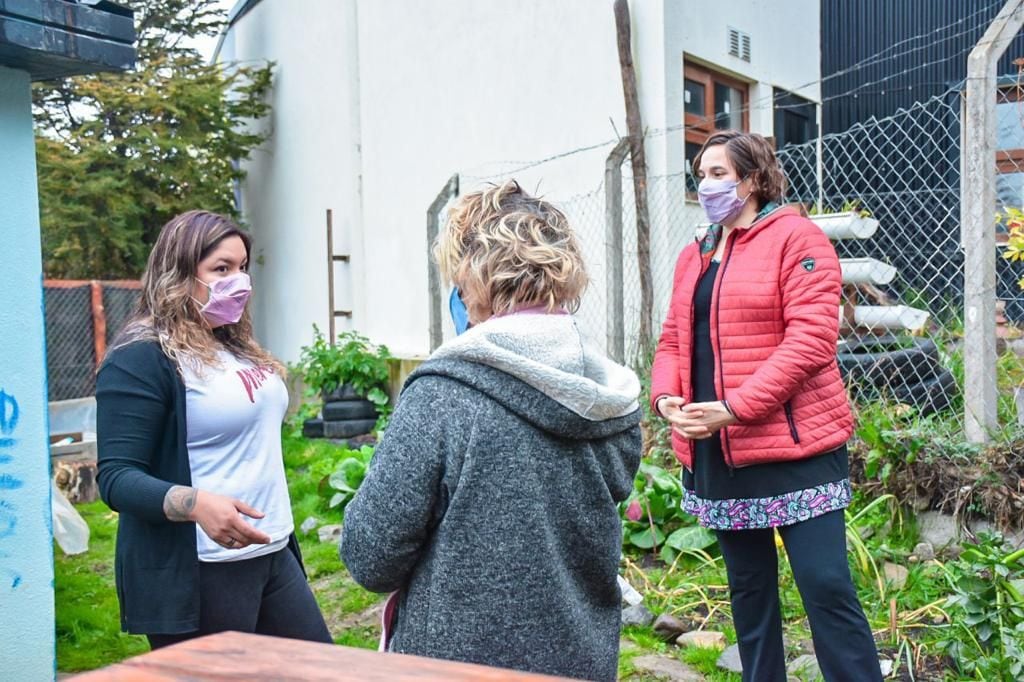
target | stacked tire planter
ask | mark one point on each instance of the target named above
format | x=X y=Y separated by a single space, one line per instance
x=345 y=414
x=906 y=369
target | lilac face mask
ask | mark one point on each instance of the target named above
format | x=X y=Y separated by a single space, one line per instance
x=227 y=299
x=719 y=200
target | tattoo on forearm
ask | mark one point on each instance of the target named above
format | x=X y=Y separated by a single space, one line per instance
x=179 y=502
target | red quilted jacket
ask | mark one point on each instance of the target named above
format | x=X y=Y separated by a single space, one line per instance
x=774 y=326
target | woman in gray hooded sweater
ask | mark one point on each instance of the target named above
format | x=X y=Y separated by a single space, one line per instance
x=490 y=505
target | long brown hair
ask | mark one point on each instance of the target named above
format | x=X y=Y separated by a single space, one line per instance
x=167 y=311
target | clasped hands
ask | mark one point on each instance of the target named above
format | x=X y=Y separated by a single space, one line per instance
x=695 y=421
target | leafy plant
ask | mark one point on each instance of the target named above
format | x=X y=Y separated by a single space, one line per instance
x=653 y=516
x=986 y=635
x=119 y=154
x=352 y=360
x=848 y=206
x=891 y=442
x=1012 y=219
x=349 y=475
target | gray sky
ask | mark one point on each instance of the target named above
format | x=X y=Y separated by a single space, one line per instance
x=206 y=46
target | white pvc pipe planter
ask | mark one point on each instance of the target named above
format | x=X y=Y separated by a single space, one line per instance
x=866 y=271
x=845 y=225
x=888 y=317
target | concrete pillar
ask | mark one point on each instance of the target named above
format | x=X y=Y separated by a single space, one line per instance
x=977 y=223
x=26 y=554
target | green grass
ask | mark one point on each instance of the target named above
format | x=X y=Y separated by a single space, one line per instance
x=705 y=660
x=88 y=631
x=88 y=621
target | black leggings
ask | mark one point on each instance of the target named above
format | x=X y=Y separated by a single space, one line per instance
x=816 y=548
x=267 y=595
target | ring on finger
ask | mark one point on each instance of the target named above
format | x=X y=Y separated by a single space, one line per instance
x=231 y=542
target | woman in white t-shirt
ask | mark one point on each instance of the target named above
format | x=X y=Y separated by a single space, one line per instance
x=189 y=412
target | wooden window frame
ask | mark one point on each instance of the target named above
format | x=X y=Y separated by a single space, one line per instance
x=699 y=128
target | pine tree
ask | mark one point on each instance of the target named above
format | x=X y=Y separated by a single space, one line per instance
x=119 y=154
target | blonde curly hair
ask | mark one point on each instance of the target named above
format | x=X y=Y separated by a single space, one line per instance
x=168 y=313
x=515 y=249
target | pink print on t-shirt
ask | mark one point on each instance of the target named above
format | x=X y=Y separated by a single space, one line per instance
x=253 y=378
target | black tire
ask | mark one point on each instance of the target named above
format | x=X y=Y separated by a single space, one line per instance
x=895 y=368
x=886 y=343
x=313 y=428
x=348 y=410
x=348 y=428
x=343 y=392
x=929 y=396
x=881 y=362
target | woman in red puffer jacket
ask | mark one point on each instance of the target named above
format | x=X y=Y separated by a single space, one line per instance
x=746 y=372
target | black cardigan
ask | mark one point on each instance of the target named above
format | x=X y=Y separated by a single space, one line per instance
x=142 y=453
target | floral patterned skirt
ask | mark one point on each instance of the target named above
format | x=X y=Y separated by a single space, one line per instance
x=768 y=512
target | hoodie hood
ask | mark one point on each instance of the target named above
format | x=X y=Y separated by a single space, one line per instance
x=548 y=353
x=538 y=367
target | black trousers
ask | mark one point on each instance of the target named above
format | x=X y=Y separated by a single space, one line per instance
x=816 y=548
x=267 y=595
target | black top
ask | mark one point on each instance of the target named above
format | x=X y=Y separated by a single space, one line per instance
x=142 y=452
x=712 y=479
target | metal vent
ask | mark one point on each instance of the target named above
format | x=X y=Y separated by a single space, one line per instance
x=739 y=44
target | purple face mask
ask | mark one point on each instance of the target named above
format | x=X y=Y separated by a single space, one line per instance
x=227 y=299
x=719 y=200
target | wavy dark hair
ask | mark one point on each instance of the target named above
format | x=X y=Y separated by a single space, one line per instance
x=752 y=156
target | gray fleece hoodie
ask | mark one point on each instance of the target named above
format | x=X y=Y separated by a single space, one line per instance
x=491 y=501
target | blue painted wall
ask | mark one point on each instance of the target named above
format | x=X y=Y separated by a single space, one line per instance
x=26 y=554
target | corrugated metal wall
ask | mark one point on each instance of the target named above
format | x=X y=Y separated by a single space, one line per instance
x=921 y=52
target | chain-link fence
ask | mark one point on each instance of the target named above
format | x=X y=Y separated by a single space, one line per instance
x=82 y=318
x=888 y=192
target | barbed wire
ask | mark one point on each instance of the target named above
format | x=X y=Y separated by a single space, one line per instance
x=764 y=102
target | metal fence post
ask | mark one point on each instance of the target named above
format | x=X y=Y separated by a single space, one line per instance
x=450 y=190
x=977 y=184
x=615 y=324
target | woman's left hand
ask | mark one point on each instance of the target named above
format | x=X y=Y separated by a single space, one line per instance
x=703 y=420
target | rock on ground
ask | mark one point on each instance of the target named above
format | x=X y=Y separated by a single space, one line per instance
x=668 y=627
x=938 y=529
x=924 y=551
x=665 y=668
x=896 y=574
x=702 y=638
x=805 y=667
x=309 y=524
x=637 y=615
x=730 y=660
x=331 y=533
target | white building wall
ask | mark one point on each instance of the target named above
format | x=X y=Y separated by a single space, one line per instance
x=381 y=101
x=455 y=90
x=310 y=163
x=785 y=53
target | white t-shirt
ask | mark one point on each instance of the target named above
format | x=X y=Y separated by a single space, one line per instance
x=233 y=416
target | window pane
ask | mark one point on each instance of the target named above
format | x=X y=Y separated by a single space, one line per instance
x=1010 y=125
x=693 y=97
x=692 y=149
x=728 y=107
x=794 y=119
x=1010 y=191
x=797 y=128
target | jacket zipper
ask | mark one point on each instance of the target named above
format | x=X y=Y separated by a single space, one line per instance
x=792 y=422
x=718 y=350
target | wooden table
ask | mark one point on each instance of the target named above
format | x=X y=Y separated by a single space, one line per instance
x=238 y=656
